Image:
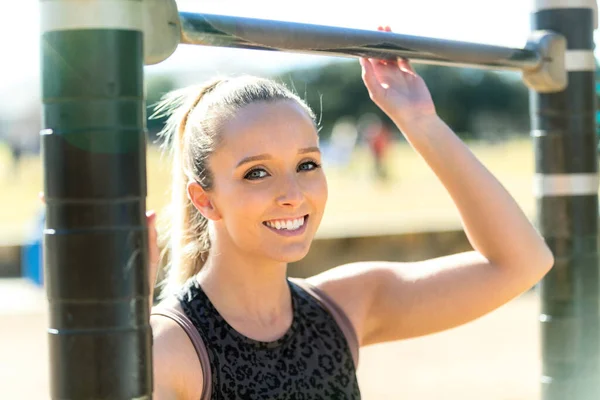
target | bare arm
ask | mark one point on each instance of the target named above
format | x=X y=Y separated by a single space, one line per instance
x=496 y=226
x=400 y=300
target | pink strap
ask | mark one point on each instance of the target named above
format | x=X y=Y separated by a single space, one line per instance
x=338 y=314
x=192 y=332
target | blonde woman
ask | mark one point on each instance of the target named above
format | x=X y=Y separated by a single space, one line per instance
x=249 y=193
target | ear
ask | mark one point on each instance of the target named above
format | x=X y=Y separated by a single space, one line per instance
x=202 y=201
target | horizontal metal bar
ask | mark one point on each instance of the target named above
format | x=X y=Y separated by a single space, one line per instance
x=259 y=34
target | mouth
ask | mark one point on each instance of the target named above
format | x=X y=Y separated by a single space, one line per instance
x=288 y=226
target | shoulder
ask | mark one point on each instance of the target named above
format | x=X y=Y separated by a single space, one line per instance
x=353 y=288
x=176 y=366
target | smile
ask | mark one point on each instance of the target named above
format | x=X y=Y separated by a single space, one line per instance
x=287 y=226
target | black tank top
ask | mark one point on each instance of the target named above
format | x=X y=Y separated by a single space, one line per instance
x=312 y=360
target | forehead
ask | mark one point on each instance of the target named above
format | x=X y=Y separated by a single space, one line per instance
x=268 y=127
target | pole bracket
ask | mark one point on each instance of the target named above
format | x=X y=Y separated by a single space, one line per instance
x=551 y=75
x=162 y=30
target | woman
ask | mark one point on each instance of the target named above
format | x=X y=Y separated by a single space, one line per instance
x=249 y=194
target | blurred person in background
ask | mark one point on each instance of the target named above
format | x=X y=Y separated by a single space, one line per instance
x=342 y=142
x=378 y=138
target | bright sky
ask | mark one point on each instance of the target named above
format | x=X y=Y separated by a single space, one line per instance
x=503 y=22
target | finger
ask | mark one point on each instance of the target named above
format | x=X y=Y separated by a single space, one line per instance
x=150 y=216
x=151 y=223
x=153 y=250
x=362 y=61
x=405 y=66
x=368 y=77
x=381 y=28
x=152 y=236
x=382 y=61
x=42 y=197
x=384 y=67
x=385 y=29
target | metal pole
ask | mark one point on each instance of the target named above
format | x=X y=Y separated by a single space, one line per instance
x=250 y=33
x=94 y=181
x=564 y=131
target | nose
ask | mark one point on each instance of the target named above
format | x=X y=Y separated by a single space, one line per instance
x=291 y=194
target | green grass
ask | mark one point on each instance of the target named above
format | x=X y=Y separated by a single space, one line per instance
x=413 y=199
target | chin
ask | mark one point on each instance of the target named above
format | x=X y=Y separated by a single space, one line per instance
x=295 y=258
x=292 y=255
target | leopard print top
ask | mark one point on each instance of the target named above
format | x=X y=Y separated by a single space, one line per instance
x=312 y=360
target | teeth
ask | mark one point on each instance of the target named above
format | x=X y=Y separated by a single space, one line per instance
x=290 y=225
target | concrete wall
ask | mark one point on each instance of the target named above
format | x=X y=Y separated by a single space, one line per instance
x=10 y=261
x=327 y=253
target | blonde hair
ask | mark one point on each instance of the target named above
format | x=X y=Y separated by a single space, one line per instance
x=191 y=133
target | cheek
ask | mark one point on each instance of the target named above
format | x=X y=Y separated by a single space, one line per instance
x=244 y=207
x=325 y=189
x=317 y=191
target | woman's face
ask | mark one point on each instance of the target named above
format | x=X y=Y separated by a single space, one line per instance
x=269 y=189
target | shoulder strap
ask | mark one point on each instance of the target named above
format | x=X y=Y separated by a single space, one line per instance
x=338 y=314
x=189 y=328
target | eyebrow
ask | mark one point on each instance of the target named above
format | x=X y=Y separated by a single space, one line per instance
x=262 y=157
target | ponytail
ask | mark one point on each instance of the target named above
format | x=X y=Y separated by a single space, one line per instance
x=186 y=238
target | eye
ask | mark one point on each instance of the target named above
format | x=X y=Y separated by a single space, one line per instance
x=255 y=174
x=308 y=166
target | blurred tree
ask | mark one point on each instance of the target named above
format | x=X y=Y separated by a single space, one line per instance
x=475 y=103
x=463 y=97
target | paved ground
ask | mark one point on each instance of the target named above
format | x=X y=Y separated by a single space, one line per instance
x=494 y=358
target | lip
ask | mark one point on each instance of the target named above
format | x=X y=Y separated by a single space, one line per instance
x=285 y=232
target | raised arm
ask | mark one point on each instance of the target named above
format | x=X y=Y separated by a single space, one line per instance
x=390 y=301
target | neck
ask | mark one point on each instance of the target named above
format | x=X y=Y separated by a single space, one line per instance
x=245 y=287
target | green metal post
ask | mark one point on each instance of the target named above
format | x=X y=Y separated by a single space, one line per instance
x=95 y=240
x=564 y=131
